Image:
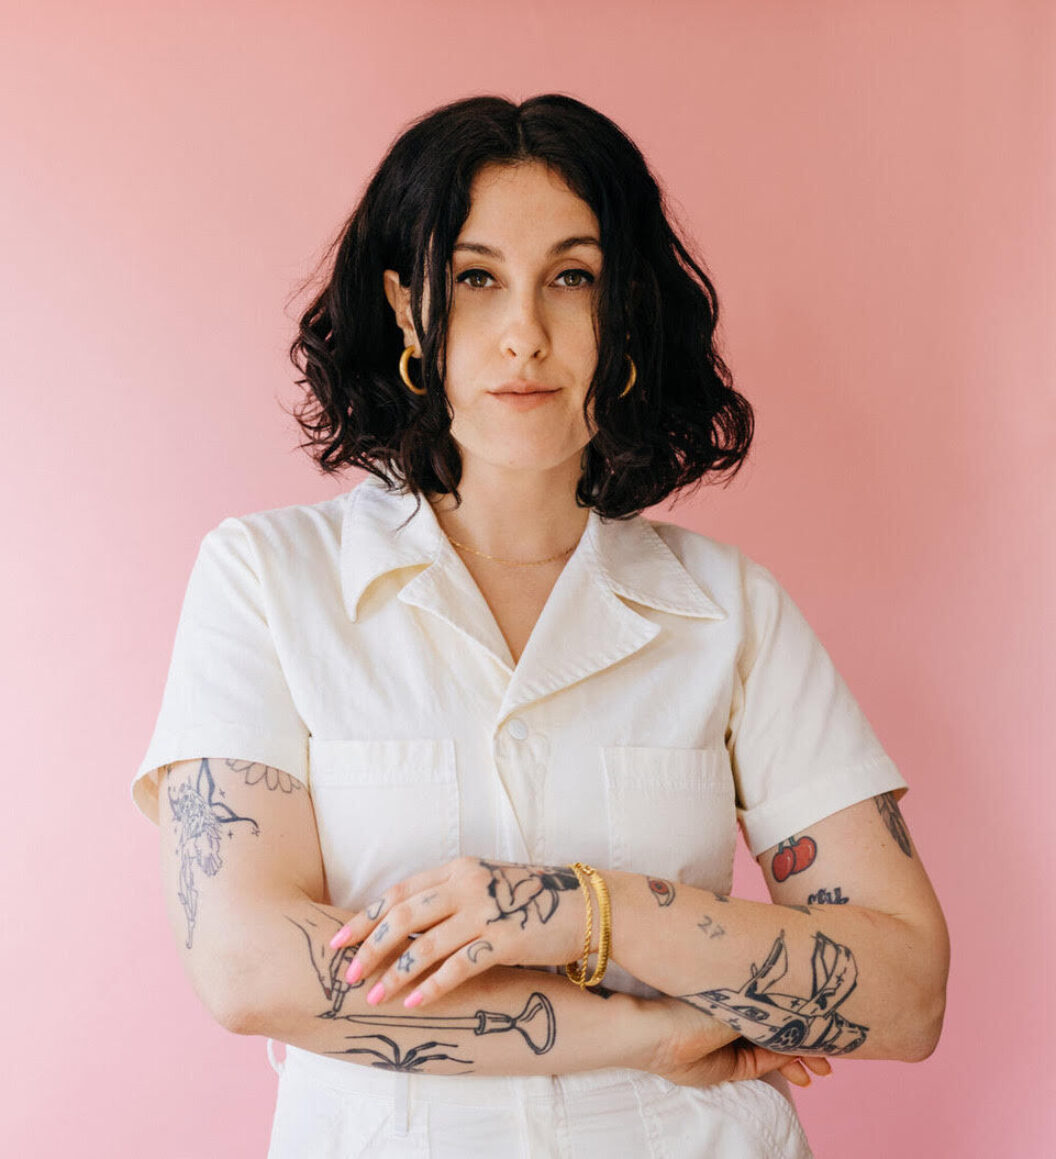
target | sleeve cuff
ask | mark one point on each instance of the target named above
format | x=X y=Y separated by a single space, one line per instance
x=772 y=821
x=287 y=753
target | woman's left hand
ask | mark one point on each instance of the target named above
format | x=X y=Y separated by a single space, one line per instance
x=469 y=914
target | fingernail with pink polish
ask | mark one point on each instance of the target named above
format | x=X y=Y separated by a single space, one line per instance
x=376 y=995
x=413 y=999
x=354 y=972
x=338 y=938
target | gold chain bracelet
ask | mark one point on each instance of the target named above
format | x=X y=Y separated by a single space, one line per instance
x=578 y=974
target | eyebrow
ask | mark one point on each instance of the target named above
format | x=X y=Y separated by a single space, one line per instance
x=557 y=248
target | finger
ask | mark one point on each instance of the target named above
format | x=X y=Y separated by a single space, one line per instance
x=471 y=959
x=794 y=1072
x=395 y=927
x=358 y=926
x=429 y=951
x=819 y=1064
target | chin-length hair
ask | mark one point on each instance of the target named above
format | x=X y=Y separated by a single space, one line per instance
x=681 y=421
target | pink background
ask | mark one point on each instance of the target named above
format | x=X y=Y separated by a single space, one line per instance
x=872 y=187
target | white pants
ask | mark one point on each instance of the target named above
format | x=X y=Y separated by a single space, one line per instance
x=329 y=1108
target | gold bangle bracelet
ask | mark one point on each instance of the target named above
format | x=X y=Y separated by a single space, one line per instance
x=573 y=970
x=605 y=933
x=578 y=974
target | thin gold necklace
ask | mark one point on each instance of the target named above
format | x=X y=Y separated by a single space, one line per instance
x=514 y=562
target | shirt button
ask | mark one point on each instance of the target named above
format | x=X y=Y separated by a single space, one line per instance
x=517 y=728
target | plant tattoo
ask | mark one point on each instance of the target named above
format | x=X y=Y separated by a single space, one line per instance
x=893 y=819
x=518 y=888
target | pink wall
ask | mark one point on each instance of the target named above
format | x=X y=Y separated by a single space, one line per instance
x=872 y=185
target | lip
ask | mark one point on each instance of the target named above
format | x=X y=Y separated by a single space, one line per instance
x=523 y=399
x=522 y=386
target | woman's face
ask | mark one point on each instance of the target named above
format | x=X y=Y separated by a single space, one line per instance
x=524 y=271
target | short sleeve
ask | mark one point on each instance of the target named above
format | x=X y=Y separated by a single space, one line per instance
x=800 y=746
x=225 y=694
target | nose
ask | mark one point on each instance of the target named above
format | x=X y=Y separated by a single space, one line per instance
x=525 y=333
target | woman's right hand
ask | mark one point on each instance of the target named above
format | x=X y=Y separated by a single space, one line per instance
x=701 y=1051
x=742 y=1059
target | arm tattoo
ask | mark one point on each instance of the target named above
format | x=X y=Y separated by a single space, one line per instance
x=255 y=773
x=793 y=857
x=329 y=966
x=828 y=897
x=536 y=1024
x=802 y=908
x=518 y=889
x=893 y=819
x=790 y=1023
x=663 y=891
x=200 y=818
x=711 y=927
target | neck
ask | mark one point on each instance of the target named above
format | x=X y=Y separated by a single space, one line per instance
x=514 y=514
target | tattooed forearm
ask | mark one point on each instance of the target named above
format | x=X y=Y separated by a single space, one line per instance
x=711 y=927
x=536 y=1024
x=663 y=891
x=828 y=897
x=199 y=817
x=790 y=1023
x=522 y=890
x=793 y=856
x=893 y=819
x=788 y=905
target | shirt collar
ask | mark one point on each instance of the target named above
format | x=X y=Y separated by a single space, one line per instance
x=382 y=533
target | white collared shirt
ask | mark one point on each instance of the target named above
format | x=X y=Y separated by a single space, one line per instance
x=670 y=689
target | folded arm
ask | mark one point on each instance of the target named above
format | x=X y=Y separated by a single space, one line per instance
x=246 y=896
x=851 y=959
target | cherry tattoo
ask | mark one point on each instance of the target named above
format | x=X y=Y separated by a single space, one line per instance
x=793 y=857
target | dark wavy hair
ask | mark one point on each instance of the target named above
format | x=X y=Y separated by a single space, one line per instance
x=681 y=421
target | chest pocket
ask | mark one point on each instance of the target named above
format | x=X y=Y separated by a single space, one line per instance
x=385 y=809
x=672 y=813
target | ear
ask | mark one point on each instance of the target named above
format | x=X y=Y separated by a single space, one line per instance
x=400 y=300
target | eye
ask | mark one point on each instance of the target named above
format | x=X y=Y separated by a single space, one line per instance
x=580 y=274
x=585 y=278
x=464 y=277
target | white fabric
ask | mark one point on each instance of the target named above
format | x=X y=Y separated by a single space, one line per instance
x=670 y=689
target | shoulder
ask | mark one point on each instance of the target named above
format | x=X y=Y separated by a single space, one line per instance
x=728 y=572
x=306 y=533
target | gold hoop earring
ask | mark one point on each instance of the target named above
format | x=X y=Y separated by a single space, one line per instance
x=632 y=379
x=405 y=357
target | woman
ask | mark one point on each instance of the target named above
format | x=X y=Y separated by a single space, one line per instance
x=438 y=755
